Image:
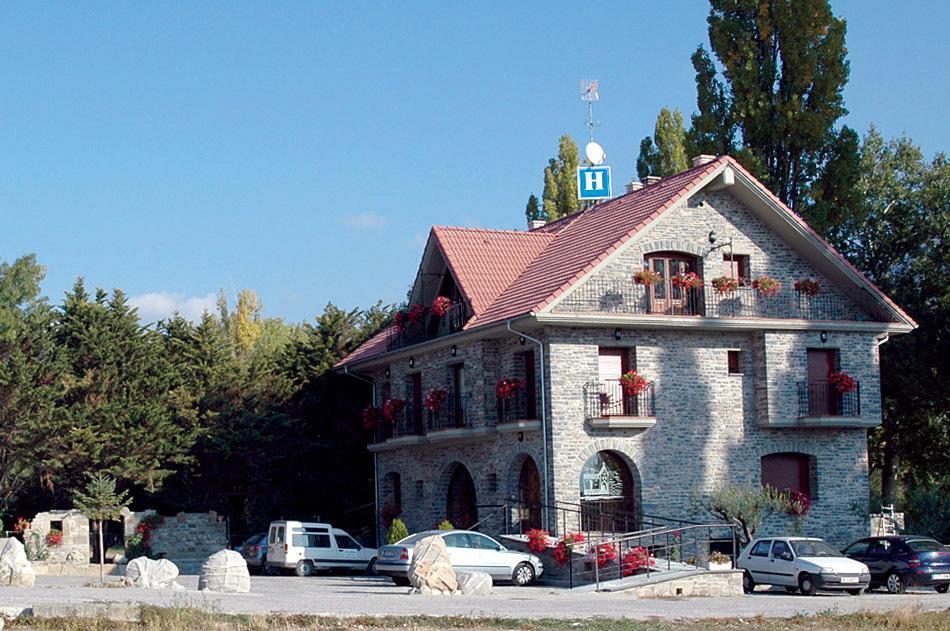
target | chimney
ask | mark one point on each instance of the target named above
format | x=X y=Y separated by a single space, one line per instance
x=652 y=179
x=634 y=185
x=703 y=158
x=534 y=224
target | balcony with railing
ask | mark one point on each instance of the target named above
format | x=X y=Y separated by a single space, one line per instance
x=428 y=326
x=607 y=406
x=821 y=403
x=627 y=297
x=516 y=412
x=406 y=425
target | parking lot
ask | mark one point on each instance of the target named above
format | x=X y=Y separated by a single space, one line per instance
x=359 y=595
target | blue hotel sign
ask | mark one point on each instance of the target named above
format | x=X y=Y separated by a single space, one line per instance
x=593 y=182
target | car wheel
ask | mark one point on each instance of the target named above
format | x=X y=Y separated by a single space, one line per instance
x=807 y=584
x=523 y=575
x=371 y=568
x=748 y=583
x=791 y=590
x=896 y=584
x=942 y=589
x=855 y=592
x=268 y=570
x=304 y=568
x=401 y=581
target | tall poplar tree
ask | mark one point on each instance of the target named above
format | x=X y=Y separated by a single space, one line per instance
x=560 y=181
x=665 y=153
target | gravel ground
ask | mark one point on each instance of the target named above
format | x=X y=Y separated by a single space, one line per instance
x=358 y=595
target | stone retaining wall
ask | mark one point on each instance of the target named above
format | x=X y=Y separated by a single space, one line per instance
x=724 y=583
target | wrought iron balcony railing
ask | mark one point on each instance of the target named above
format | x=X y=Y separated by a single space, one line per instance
x=454 y=414
x=428 y=327
x=625 y=296
x=516 y=407
x=820 y=398
x=603 y=399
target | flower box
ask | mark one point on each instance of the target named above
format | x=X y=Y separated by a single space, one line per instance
x=647 y=277
x=725 y=284
x=842 y=382
x=767 y=286
x=633 y=383
x=687 y=280
x=808 y=287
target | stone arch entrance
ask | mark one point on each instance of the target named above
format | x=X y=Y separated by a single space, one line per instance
x=610 y=493
x=529 y=495
x=461 y=507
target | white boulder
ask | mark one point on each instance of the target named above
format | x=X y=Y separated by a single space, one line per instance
x=151 y=574
x=430 y=571
x=225 y=571
x=15 y=569
x=474 y=583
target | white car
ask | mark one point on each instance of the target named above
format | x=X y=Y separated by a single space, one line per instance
x=468 y=551
x=306 y=547
x=800 y=564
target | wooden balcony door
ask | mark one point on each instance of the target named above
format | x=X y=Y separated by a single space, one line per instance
x=822 y=397
x=665 y=297
x=612 y=363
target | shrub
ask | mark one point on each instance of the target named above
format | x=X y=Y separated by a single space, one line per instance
x=603 y=554
x=927 y=512
x=445 y=524
x=636 y=559
x=397 y=532
x=746 y=506
x=537 y=540
x=562 y=552
x=35 y=547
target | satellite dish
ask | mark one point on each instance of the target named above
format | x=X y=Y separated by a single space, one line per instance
x=595 y=153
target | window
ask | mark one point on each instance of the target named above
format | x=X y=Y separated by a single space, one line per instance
x=457 y=540
x=735 y=362
x=737 y=266
x=308 y=540
x=761 y=549
x=781 y=550
x=482 y=543
x=858 y=549
x=345 y=542
x=420 y=489
x=879 y=548
x=458 y=387
x=789 y=472
x=280 y=534
x=415 y=388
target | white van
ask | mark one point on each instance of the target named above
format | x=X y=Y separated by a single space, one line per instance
x=307 y=547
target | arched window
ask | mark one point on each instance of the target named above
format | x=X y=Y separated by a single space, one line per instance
x=665 y=296
x=789 y=471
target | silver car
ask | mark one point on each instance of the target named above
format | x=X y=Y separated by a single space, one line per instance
x=468 y=551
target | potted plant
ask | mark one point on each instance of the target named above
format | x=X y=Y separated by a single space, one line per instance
x=507 y=387
x=725 y=284
x=807 y=287
x=537 y=540
x=435 y=399
x=687 y=280
x=441 y=305
x=842 y=382
x=719 y=562
x=767 y=286
x=633 y=383
x=392 y=408
x=647 y=277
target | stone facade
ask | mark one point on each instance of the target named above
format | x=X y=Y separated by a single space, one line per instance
x=183 y=537
x=712 y=427
x=75 y=548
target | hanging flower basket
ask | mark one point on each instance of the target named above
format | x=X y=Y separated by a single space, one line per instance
x=633 y=383
x=767 y=286
x=647 y=277
x=506 y=388
x=537 y=540
x=417 y=314
x=603 y=554
x=807 y=287
x=636 y=559
x=392 y=408
x=441 y=305
x=687 y=280
x=725 y=284
x=401 y=320
x=842 y=382
x=435 y=399
x=370 y=416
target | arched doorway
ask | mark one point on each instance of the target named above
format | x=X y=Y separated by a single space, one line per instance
x=529 y=495
x=610 y=494
x=460 y=506
x=666 y=296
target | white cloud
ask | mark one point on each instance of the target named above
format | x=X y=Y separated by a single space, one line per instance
x=163 y=304
x=364 y=221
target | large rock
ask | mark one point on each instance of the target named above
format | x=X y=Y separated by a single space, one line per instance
x=431 y=571
x=474 y=583
x=225 y=571
x=15 y=569
x=152 y=574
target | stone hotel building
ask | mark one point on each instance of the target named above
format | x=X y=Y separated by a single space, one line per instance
x=691 y=333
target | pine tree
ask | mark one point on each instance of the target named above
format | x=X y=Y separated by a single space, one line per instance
x=648 y=160
x=533 y=209
x=99 y=502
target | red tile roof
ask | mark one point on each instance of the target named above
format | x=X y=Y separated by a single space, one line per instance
x=505 y=274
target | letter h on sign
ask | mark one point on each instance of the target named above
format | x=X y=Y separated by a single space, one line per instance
x=593 y=182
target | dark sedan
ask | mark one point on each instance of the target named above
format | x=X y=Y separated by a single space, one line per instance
x=254 y=552
x=897 y=562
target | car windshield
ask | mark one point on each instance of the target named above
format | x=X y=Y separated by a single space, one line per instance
x=925 y=545
x=256 y=539
x=412 y=539
x=814 y=548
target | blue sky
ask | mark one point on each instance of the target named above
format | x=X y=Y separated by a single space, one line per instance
x=303 y=149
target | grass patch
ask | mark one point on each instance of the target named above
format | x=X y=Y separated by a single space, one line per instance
x=183 y=618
